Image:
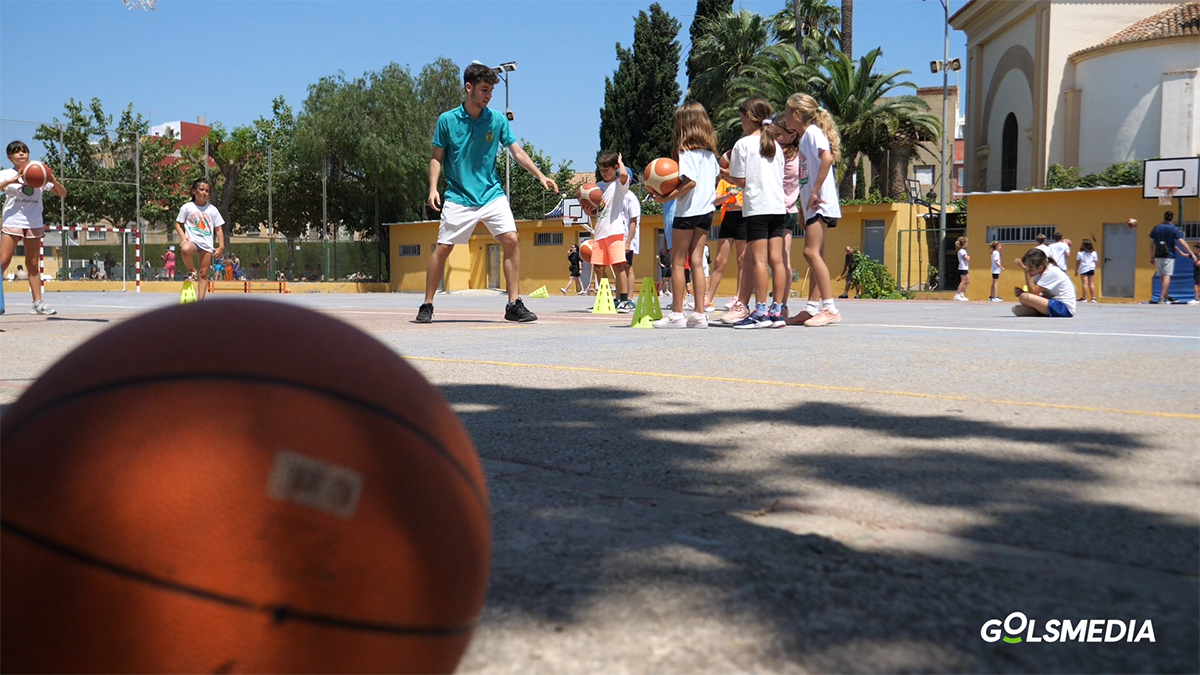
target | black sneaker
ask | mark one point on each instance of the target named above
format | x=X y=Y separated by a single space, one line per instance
x=425 y=314
x=1168 y=300
x=516 y=311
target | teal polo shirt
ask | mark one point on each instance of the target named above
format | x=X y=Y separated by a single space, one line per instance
x=470 y=148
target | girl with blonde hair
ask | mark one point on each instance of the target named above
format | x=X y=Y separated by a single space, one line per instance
x=964 y=269
x=756 y=165
x=694 y=147
x=820 y=151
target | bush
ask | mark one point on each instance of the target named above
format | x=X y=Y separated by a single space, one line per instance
x=874 y=280
x=1059 y=177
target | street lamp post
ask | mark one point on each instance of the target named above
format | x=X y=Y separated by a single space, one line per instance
x=503 y=70
x=945 y=66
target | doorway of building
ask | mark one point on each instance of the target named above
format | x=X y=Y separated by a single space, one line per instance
x=495 y=265
x=873 y=240
x=1118 y=261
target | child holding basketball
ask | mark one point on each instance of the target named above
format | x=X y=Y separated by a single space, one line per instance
x=610 y=240
x=756 y=165
x=195 y=225
x=23 y=220
x=820 y=150
x=694 y=147
x=964 y=269
x=1050 y=293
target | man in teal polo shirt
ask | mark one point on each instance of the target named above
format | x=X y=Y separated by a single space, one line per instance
x=467 y=139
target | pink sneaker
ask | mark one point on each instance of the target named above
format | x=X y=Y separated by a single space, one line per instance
x=823 y=318
x=735 y=314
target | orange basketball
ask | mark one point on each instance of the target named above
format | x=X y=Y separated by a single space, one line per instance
x=296 y=500
x=585 y=251
x=592 y=194
x=661 y=176
x=35 y=174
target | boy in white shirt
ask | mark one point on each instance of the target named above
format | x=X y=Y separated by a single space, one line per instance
x=610 y=240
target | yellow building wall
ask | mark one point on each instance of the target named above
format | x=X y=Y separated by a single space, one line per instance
x=1078 y=214
x=547 y=265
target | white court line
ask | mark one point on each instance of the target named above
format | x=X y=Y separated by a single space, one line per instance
x=1018 y=330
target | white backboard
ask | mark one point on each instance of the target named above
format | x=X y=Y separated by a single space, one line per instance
x=573 y=213
x=1177 y=172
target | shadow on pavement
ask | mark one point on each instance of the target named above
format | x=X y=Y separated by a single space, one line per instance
x=563 y=556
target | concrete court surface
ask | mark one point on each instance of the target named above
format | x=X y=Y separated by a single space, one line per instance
x=857 y=498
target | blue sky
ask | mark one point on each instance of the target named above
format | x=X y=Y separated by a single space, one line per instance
x=228 y=60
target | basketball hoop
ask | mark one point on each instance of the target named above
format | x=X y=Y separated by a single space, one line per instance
x=1166 y=195
x=148 y=5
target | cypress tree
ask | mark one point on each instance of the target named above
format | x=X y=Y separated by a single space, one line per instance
x=705 y=9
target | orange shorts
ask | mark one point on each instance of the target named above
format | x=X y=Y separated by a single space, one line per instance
x=609 y=250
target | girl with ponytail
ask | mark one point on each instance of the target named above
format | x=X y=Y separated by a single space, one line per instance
x=820 y=151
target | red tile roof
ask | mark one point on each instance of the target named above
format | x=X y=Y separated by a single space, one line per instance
x=1182 y=20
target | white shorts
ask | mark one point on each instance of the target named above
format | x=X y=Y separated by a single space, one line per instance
x=458 y=221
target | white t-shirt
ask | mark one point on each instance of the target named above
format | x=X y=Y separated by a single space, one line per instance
x=811 y=144
x=611 y=220
x=22 y=204
x=200 y=223
x=701 y=166
x=633 y=216
x=995 y=262
x=962 y=260
x=1087 y=261
x=763 y=194
x=1058 y=285
x=1045 y=248
x=1059 y=250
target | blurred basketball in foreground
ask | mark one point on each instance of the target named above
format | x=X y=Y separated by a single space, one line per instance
x=295 y=499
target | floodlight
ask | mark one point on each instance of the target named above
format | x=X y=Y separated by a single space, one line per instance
x=509 y=66
x=935 y=66
x=955 y=64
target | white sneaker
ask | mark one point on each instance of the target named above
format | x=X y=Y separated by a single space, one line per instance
x=1002 y=300
x=40 y=307
x=671 y=320
x=1190 y=302
x=961 y=298
x=697 y=320
x=688 y=304
x=730 y=305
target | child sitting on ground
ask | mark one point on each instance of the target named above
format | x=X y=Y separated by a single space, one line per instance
x=1050 y=293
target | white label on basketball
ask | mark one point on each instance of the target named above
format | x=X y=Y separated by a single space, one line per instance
x=319 y=485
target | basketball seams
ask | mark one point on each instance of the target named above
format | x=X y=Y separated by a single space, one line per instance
x=432 y=442
x=279 y=614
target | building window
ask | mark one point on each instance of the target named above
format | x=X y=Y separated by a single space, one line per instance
x=1020 y=234
x=97 y=236
x=548 y=239
x=924 y=174
x=958 y=177
x=1190 y=230
x=1008 y=154
x=410 y=250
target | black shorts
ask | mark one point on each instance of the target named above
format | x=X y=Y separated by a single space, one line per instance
x=687 y=276
x=765 y=226
x=1089 y=273
x=829 y=222
x=995 y=275
x=701 y=222
x=733 y=226
x=629 y=257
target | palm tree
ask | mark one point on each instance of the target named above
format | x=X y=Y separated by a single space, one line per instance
x=848 y=28
x=817 y=19
x=775 y=73
x=727 y=44
x=867 y=119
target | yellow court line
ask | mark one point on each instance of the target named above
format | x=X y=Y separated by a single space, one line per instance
x=801 y=385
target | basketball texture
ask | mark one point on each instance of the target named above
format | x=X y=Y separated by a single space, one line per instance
x=592 y=194
x=585 y=251
x=661 y=176
x=35 y=174
x=238 y=486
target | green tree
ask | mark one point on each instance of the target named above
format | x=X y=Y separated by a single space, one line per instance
x=819 y=35
x=728 y=45
x=705 y=9
x=848 y=28
x=641 y=97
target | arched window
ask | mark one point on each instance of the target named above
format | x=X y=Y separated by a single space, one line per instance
x=1008 y=154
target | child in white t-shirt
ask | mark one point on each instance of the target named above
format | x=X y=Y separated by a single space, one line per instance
x=1085 y=269
x=197 y=223
x=694 y=144
x=820 y=151
x=964 y=269
x=610 y=239
x=997 y=268
x=1050 y=293
x=23 y=220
